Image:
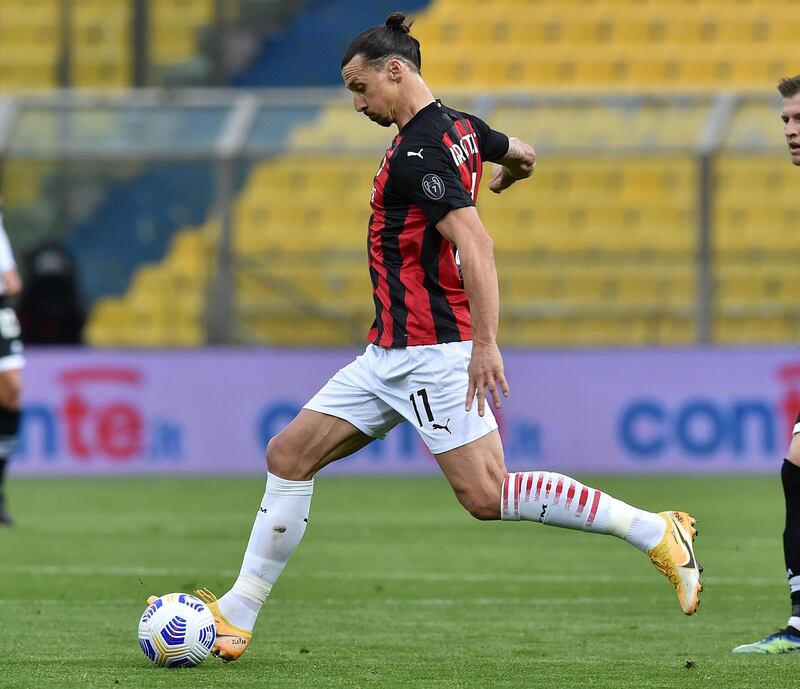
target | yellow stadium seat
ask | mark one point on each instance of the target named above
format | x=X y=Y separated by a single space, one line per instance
x=507 y=43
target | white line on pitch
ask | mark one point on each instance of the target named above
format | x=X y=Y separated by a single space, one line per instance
x=543 y=578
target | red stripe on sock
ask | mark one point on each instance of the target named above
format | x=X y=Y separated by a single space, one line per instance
x=593 y=510
x=547 y=488
x=559 y=488
x=538 y=487
x=582 y=502
x=517 y=491
x=528 y=487
x=505 y=494
x=570 y=494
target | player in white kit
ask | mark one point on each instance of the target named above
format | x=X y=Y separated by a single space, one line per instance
x=12 y=362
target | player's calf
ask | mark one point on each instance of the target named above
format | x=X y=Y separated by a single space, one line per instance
x=559 y=500
x=481 y=505
x=477 y=491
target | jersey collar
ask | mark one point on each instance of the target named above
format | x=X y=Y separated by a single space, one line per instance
x=430 y=107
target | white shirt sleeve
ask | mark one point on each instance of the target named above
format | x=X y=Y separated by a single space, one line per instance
x=6 y=256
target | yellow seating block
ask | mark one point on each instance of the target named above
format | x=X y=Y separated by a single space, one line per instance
x=632 y=44
x=166 y=302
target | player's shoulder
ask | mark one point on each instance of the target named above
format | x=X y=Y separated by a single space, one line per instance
x=429 y=132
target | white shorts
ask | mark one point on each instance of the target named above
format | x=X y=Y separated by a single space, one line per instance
x=11 y=348
x=425 y=385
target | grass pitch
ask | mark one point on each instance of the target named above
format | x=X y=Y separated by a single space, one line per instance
x=394 y=586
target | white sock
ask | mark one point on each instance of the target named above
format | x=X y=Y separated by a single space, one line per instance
x=279 y=526
x=558 y=500
x=794 y=622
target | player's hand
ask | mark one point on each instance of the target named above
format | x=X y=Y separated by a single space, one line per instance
x=12 y=283
x=518 y=163
x=500 y=178
x=485 y=373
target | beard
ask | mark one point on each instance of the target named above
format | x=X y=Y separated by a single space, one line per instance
x=382 y=120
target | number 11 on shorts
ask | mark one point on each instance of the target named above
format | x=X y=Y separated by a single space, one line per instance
x=423 y=395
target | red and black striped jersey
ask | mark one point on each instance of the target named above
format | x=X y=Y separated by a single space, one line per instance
x=432 y=167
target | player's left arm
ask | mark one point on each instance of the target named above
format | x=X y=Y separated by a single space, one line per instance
x=463 y=228
x=518 y=163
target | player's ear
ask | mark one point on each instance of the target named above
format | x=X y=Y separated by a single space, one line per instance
x=395 y=69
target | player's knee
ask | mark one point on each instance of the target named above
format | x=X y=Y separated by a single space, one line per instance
x=10 y=392
x=282 y=459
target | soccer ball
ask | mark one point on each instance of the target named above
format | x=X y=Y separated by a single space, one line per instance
x=177 y=630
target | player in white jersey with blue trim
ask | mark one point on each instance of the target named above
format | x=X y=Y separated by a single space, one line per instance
x=12 y=362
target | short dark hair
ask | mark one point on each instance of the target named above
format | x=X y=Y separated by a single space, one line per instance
x=392 y=39
x=789 y=86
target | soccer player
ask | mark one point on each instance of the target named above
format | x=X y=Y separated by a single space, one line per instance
x=432 y=356
x=788 y=638
x=11 y=363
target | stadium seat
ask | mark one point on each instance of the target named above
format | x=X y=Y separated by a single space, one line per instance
x=755 y=244
x=175 y=29
x=636 y=44
x=101 y=35
x=166 y=302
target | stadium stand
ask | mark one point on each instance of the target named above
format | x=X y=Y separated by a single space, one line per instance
x=28 y=44
x=143 y=214
x=755 y=249
x=599 y=250
x=319 y=29
x=175 y=28
x=101 y=40
x=101 y=48
x=165 y=302
x=101 y=44
x=586 y=44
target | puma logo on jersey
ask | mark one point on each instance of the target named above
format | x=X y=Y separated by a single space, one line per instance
x=418 y=153
x=438 y=427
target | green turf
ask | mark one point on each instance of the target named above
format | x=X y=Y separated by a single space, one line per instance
x=394 y=586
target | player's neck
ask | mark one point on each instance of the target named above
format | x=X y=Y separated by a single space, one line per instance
x=419 y=97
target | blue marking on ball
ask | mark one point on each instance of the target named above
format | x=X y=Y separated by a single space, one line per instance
x=191 y=601
x=148 y=650
x=208 y=635
x=174 y=631
x=186 y=661
x=151 y=610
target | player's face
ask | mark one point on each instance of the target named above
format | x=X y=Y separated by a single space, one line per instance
x=373 y=90
x=790 y=114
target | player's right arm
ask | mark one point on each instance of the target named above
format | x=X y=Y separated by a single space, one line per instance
x=518 y=163
x=463 y=228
